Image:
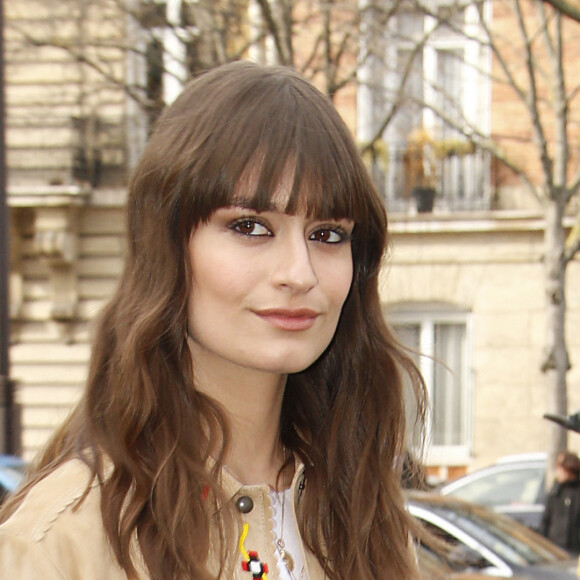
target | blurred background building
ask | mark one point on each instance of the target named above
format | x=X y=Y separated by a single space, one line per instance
x=471 y=137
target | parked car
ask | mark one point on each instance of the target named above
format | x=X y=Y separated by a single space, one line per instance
x=514 y=486
x=434 y=567
x=490 y=543
x=11 y=473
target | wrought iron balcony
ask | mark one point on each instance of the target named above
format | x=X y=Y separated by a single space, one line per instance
x=460 y=182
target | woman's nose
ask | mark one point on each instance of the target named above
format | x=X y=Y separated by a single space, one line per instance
x=294 y=268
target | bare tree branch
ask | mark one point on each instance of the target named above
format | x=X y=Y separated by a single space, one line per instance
x=565 y=7
x=559 y=100
x=74 y=51
x=284 y=54
x=532 y=98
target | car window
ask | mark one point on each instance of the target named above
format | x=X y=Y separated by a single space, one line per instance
x=501 y=488
x=458 y=556
x=432 y=565
x=511 y=541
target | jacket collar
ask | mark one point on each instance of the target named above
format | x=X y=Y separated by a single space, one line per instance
x=232 y=487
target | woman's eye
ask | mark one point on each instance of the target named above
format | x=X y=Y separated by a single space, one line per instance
x=249 y=227
x=329 y=235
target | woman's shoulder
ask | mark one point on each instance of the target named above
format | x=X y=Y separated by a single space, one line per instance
x=53 y=498
x=58 y=527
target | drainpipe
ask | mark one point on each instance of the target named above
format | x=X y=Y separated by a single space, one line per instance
x=7 y=442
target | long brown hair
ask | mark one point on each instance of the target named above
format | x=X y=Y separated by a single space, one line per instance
x=344 y=416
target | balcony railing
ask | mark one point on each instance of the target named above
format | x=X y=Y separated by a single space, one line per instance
x=462 y=183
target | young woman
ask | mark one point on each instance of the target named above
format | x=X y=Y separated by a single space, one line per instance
x=244 y=415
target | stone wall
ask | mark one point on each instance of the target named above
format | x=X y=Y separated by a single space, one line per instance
x=491 y=268
x=49 y=355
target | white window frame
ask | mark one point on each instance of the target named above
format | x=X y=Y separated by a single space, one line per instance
x=427 y=316
x=475 y=91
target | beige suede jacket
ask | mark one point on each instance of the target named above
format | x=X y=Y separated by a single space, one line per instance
x=45 y=539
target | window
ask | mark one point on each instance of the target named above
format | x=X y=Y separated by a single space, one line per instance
x=441 y=335
x=185 y=37
x=435 y=57
x=165 y=52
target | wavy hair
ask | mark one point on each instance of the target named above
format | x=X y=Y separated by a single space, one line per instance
x=344 y=416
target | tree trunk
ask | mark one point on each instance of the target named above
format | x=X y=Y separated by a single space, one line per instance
x=556 y=364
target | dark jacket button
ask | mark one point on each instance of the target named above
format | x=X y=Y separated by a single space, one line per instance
x=245 y=504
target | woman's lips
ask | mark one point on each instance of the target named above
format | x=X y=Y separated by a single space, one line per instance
x=289 y=319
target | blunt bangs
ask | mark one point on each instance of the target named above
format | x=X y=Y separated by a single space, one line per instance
x=241 y=131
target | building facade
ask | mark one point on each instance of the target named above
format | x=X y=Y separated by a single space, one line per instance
x=67 y=136
x=466 y=283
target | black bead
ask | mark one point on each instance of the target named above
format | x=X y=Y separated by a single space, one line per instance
x=245 y=504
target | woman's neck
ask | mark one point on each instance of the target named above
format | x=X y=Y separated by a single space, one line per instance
x=252 y=402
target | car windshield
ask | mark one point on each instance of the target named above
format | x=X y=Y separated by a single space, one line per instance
x=511 y=541
x=502 y=487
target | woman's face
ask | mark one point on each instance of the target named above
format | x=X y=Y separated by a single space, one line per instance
x=267 y=288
